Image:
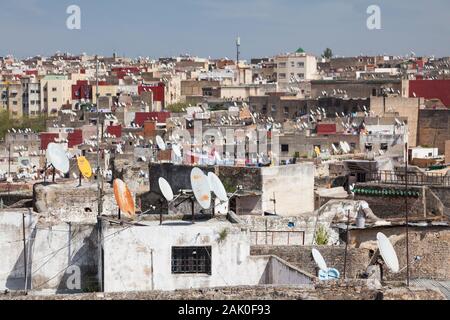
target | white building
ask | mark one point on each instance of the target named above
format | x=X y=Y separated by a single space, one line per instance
x=295 y=67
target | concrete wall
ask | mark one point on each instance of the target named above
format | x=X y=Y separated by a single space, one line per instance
x=65 y=202
x=139 y=258
x=293 y=187
x=50 y=251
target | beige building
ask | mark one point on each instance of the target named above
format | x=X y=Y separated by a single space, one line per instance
x=56 y=91
x=11 y=98
x=402 y=107
x=104 y=91
x=295 y=67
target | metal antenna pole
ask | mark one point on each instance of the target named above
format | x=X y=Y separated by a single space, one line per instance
x=407 y=214
x=99 y=175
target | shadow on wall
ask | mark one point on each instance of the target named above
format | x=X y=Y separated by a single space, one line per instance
x=14 y=282
x=85 y=260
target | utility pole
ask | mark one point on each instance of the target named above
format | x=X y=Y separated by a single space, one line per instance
x=100 y=187
x=407 y=214
x=99 y=175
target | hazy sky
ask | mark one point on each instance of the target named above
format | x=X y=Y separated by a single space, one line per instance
x=209 y=27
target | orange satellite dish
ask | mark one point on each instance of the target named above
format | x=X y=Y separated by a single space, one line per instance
x=124 y=198
x=85 y=167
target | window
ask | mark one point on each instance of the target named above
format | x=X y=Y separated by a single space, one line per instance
x=300 y=64
x=282 y=75
x=284 y=148
x=384 y=146
x=292 y=64
x=54 y=89
x=282 y=65
x=301 y=75
x=286 y=110
x=55 y=100
x=191 y=260
x=274 y=108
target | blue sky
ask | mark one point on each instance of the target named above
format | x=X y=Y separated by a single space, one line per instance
x=209 y=27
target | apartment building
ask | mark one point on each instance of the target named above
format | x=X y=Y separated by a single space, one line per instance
x=31 y=98
x=11 y=98
x=295 y=67
x=56 y=91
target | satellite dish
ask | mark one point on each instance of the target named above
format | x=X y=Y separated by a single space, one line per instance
x=388 y=253
x=85 y=167
x=124 y=198
x=217 y=187
x=160 y=142
x=166 y=189
x=320 y=261
x=176 y=149
x=57 y=157
x=200 y=187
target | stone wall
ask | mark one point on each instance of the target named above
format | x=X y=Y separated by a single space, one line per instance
x=330 y=291
x=392 y=207
x=301 y=257
x=434 y=128
x=430 y=244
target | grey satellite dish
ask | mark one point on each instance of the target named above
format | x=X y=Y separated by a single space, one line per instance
x=217 y=187
x=57 y=157
x=177 y=150
x=160 y=142
x=388 y=253
x=200 y=187
x=320 y=261
x=166 y=189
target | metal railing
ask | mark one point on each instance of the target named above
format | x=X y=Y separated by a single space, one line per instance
x=414 y=178
x=275 y=238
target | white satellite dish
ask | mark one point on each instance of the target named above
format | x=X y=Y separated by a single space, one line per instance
x=320 y=261
x=217 y=187
x=166 y=189
x=176 y=149
x=334 y=148
x=200 y=187
x=57 y=157
x=160 y=142
x=388 y=253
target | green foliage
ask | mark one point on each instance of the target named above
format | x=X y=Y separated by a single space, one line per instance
x=322 y=236
x=296 y=155
x=37 y=124
x=177 y=107
x=327 y=53
x=222 y=235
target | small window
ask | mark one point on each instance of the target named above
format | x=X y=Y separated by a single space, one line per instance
x=54 y=89
x=284 y=148
x=191 y=260
x=55 y=100
x=384 y=146
x=274 y=108
x=286 y=110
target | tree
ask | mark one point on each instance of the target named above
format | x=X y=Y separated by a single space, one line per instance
x=328 y=53
x=177 y=107
x=36 y=124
